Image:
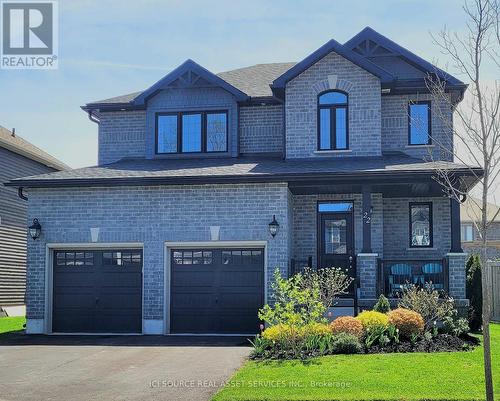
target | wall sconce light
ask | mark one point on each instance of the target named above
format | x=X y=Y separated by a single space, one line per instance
x=35 y=229
x=274 y=227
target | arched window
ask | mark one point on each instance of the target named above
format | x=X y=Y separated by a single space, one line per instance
x=333 y=121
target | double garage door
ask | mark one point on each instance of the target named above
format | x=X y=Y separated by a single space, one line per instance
x=211 y=291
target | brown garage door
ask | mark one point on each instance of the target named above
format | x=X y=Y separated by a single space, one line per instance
x=216 y=290
x=97 y=291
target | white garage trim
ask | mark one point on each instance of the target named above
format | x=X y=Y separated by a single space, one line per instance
x=49 y=267
x=205 y=245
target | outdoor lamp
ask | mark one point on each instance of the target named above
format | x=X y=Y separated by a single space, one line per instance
x=273 y=227
x=35 y=229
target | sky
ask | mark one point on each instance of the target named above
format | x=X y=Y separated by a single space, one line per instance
x=114 y=47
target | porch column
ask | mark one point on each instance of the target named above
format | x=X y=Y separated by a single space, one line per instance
x=367 y=218
x=456 y=246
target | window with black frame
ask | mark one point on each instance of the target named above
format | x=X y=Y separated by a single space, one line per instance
x=192 y=132
x=419 y=123
x=333 y=128
x=421 y=225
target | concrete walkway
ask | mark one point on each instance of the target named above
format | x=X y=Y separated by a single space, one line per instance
x=116 y=368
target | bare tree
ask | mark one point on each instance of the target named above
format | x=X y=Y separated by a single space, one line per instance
x=476 y=129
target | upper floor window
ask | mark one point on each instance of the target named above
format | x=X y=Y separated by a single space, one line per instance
x=467 y=232
x=333 y=121
x=191 y=132
x=419 y=123
x=421 y=224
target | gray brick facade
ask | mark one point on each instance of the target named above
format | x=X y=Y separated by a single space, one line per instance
x=261 y=129
x=301 y=97
x=395 y=120
x=397 y=229
x=153 y=215
x=121 y=134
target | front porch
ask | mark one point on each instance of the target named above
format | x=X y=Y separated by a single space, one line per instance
x=386 y=234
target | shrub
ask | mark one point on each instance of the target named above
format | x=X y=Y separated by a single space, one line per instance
x=408 y=322
x=316 y=329
x=382 y=305
x=294 y=303
x=348 y=325
x=474 y=291
x=279 y=332
x=428 y=303
x=456 y=326
x=330 y=282
x=371 y=320
x=344 y=343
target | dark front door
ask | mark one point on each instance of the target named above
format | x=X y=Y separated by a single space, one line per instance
x=216 y=290
x=336 y=236
x=97 y=291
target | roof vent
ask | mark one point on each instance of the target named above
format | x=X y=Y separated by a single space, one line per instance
x=13 y=133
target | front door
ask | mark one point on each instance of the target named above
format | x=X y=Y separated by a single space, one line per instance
x=336 y=248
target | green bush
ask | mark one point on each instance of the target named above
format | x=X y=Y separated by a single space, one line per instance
x=382 y=305
x=428 y=302
x=381 y=335
x=294 y=303
x=371 y=320
x=474 y=291
x=456 y=326
x=344 y=343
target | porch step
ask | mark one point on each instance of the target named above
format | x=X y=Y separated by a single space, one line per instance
x=342 y=307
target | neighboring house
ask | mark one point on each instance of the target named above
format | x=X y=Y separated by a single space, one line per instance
x=18 y=158
x=470 y=214
x=172 y=231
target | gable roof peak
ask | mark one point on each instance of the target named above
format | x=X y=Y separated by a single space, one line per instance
x=370 y=34
x=187 y=67
x=332 y=46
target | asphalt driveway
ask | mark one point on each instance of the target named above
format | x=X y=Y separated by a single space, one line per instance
x=116 y=368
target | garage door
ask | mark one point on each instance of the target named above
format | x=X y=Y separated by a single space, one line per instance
x=216 y=290
x=97 y=291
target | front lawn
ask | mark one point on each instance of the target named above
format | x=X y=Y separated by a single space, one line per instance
x=414 y=376
x=15 y=323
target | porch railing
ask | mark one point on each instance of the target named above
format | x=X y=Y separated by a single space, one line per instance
x=395 y=274
x=298 y=265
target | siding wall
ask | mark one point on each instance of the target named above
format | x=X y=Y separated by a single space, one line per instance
x=261 y=129
x=333 y=72
x=395 y=127
x=153 y=215
x=13 y=226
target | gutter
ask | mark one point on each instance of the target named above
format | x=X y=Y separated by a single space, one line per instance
x=379 y=177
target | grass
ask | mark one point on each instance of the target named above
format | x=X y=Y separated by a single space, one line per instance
x=8 y=324
x=410 y=377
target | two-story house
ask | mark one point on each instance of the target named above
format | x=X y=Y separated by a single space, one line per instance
x=206 y=183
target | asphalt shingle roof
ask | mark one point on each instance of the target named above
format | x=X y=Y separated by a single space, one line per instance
x=167 y=171
x=18 y=145
x=253 y=80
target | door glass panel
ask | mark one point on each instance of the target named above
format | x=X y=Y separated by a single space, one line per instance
x=335 y=237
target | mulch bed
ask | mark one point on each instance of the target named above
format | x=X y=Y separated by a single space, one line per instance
x=440 y=343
